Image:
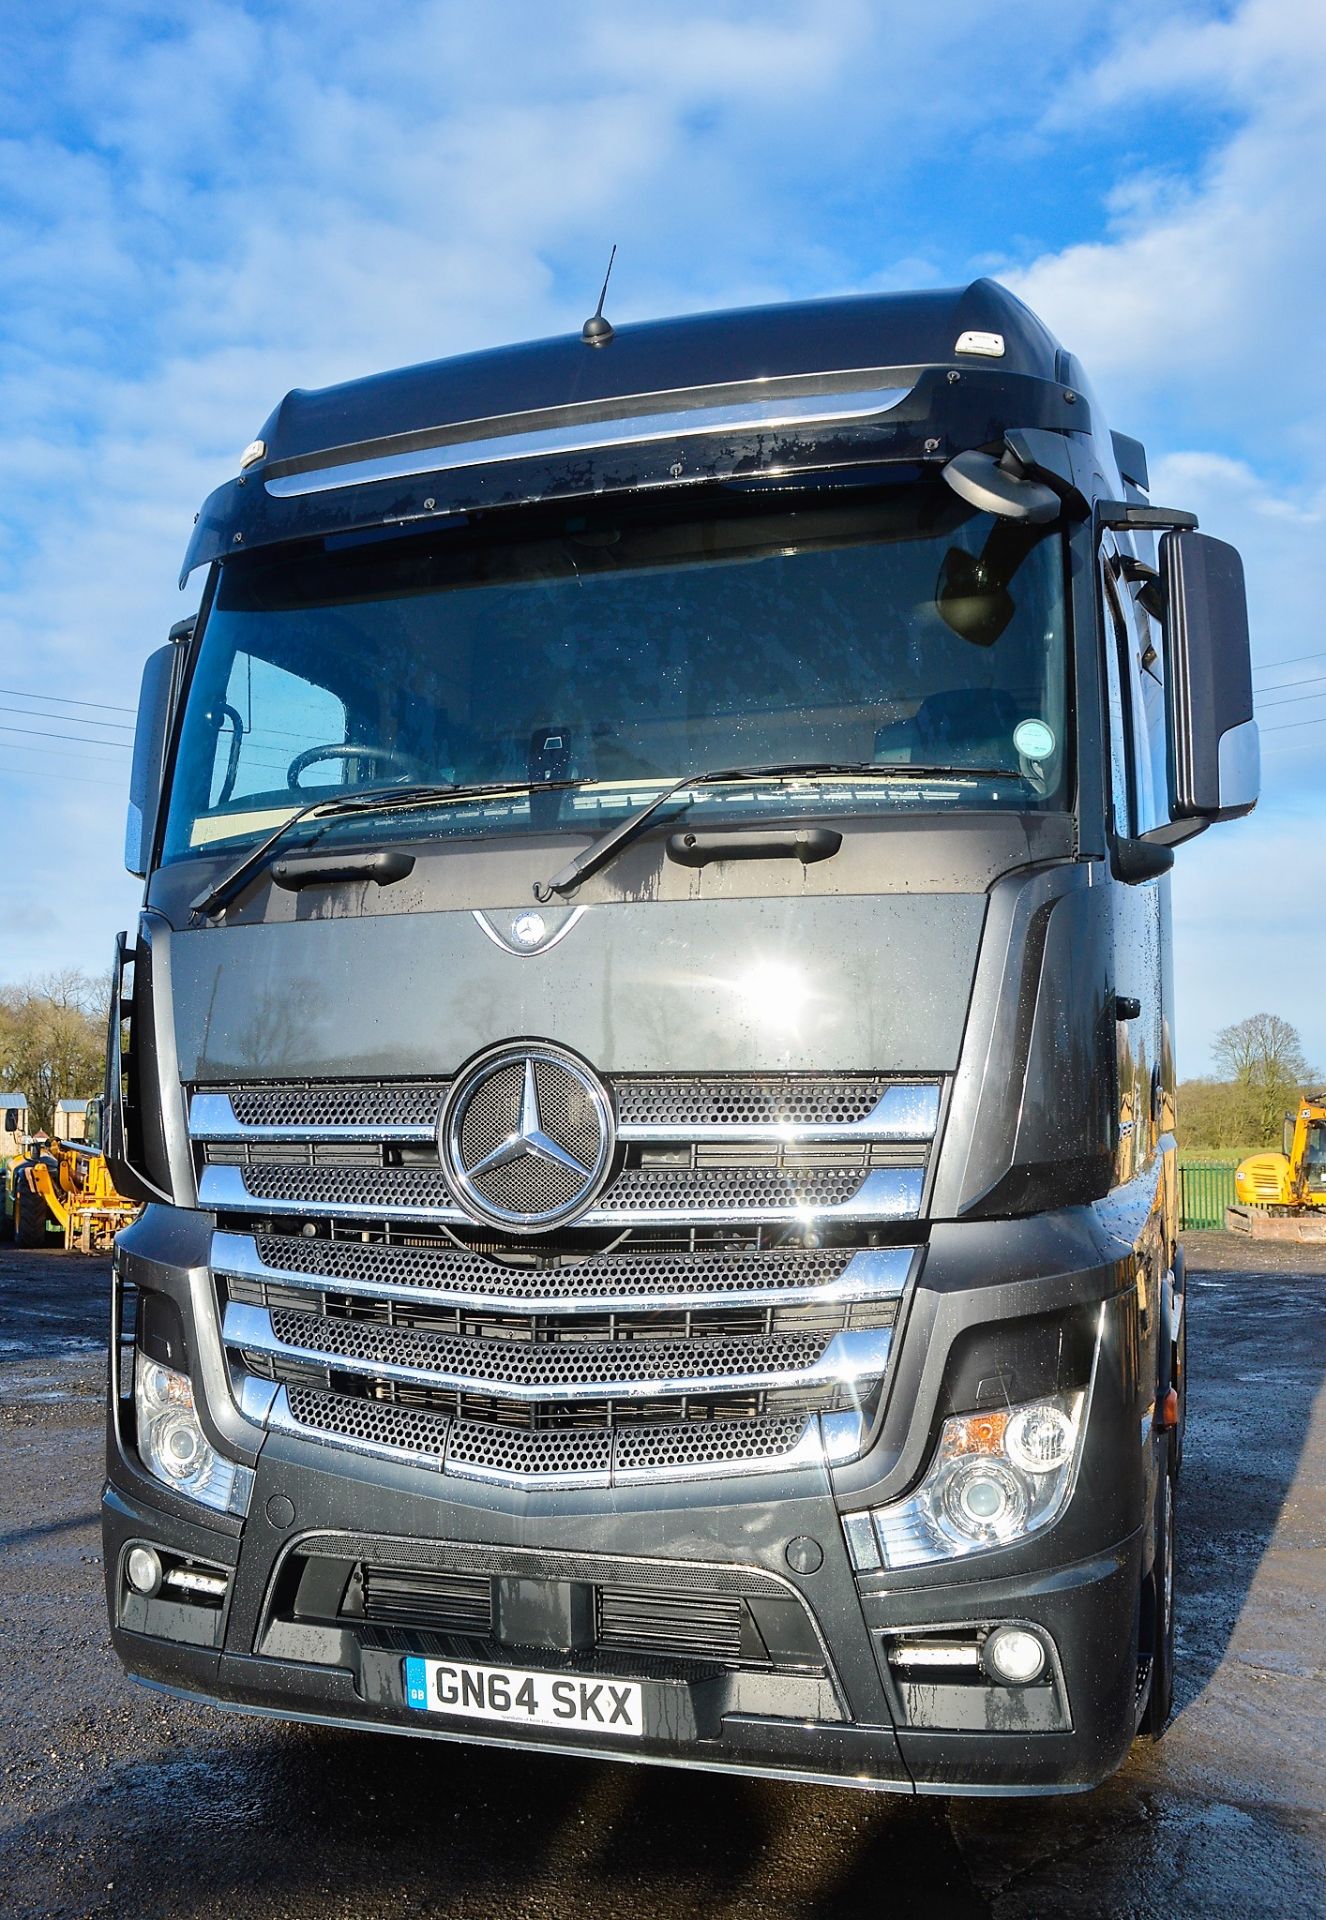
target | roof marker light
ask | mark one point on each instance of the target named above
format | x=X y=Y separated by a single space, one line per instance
x=990 y=344
x=255 y=451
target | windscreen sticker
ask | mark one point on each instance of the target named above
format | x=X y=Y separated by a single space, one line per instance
x=1034 y=739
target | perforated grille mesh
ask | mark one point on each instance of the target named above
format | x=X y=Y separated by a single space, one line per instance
x=631 y=1274
x=544 y=1364
x=709 y=1444
x=808 y=1099
x=642 y=1384
x=598 y=1453
x=509 y=1450
x=413 y=1428
x=338 y=1106
x=795 y=1100
x=419 y=1189
x=739 y=1189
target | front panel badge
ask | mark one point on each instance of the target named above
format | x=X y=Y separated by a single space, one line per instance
x=526 y=1137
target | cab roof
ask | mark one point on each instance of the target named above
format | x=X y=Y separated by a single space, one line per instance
x=656 y=356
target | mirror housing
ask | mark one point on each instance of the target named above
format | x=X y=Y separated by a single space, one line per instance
x=1214 y=749
x=151 y=732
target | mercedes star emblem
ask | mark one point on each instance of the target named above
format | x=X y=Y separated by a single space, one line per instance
x=526 y=1137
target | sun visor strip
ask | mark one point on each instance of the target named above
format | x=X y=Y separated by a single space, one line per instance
x=945 y=411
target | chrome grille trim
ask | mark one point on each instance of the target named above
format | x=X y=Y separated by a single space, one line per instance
x=719 y=1281
x=806 y=1450
x=904 y=1112
x=883 y=1194
x=643 y=1370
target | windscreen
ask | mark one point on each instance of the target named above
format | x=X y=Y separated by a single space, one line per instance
x=597 y=656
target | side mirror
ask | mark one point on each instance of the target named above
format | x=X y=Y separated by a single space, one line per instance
x=149 y=757
x=1215 y=755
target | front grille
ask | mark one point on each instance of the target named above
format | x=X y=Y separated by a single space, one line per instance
x=724 y=1306
x=413 y=1596
x=703 y=1626
x=804 y=1100
x=686 y=1622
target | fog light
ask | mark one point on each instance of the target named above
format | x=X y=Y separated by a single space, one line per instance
x=144 y=1570
x=1014 y=1657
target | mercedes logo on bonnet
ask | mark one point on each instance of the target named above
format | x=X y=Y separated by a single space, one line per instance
x=526 y=1137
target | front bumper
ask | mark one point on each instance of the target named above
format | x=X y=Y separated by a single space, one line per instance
x=813 y=1695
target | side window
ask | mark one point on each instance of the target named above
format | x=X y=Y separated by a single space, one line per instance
x=269 y=716
x=1116 y=655
x=1152 y=706
x=1137 y=709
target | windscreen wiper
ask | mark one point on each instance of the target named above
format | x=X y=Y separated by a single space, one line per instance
x=368 y=800
x=600 y=851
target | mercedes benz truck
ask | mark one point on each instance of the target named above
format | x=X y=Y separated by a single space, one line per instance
x=647 y=1053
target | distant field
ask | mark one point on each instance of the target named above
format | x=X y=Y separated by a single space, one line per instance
x=1189 y=1156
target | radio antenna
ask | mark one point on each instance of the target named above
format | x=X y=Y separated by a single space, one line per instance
x=597 y=331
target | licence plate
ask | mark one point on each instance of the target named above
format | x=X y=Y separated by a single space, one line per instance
x=522 y=1698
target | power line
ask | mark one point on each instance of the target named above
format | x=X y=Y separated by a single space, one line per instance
x=1285 y=726
x=1273 y=666
x=1290 y=699
x=10 y=770
x=1287 y=686
x=66 y=719
x=62 y=700
x=82 y=739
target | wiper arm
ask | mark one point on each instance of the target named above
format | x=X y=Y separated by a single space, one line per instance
x=600 y=851
x=368 y=800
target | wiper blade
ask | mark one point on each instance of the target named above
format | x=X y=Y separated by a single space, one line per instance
x=367 y=800
x=600 y=851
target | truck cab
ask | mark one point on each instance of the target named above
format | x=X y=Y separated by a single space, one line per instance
x=648 y=1056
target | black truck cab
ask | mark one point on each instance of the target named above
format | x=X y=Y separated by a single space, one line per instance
x=648 y=1054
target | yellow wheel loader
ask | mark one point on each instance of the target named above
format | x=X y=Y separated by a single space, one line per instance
x=1282 y=1196
x=67 y=1185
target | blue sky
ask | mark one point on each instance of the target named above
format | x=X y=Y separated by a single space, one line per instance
x=203 y=206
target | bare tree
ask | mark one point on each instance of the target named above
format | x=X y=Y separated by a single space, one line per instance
x=1264 y=1057
x=53 y=1040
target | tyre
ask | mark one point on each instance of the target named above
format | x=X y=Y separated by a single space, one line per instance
x=6 y=1220
x=31 y=1218
x=1158 y=1609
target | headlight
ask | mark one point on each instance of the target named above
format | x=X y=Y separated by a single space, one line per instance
x=173 y=1446
x=995 y=1478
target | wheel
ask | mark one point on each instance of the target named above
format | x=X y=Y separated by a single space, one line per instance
x=30 y=1218
x=1158 y=1616
x=6 y=1218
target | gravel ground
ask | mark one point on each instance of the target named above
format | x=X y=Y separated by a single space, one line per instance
x=120 y=1801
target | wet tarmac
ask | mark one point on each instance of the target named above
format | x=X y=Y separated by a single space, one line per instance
x=115 y=1800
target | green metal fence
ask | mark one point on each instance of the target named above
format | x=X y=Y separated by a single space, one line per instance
x=1206 y=1188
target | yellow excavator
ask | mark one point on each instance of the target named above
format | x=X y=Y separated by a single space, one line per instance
x=1282 y=1196
x=65 y=1184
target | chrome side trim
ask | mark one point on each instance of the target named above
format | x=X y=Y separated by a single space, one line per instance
x=212 y=1119
x=762 y=413
x=879 y=1273
x=885 y=1193
x=809 y=1451
x=859 y=1354
x=902 y=1113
